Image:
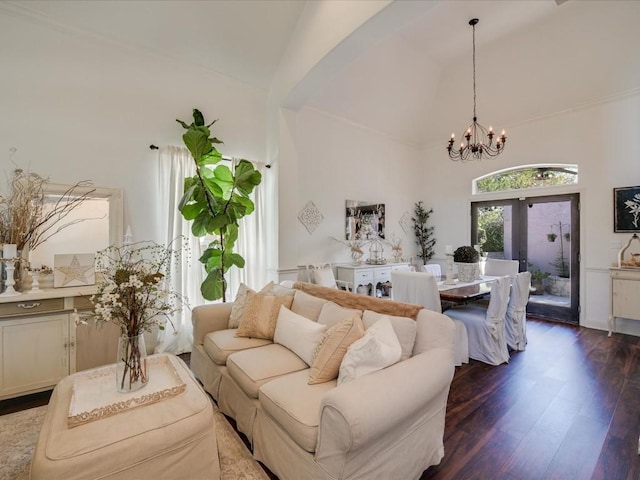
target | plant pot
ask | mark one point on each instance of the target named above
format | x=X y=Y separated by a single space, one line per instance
x=131 y=365
x=467 y=272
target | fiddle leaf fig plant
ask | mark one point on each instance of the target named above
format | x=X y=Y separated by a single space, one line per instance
x=215 y=199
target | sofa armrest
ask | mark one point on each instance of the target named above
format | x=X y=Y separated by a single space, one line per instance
x=360 y=419
x=209 y=318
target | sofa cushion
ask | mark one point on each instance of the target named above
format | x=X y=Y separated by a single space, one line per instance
x=333 y=313
x=299 y=334
x=237 y=310
x=378 y=349
x=295 y=405
x=333 y=347
x=220 y=344
x=307 y=305
x=404 y=327
x=254 y=367
x=261 y=314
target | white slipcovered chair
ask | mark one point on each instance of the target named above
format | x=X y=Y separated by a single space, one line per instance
x=516 y=317
x=421 y=288
x=434 y=269
x=322 y=274
x=499 y=268
x=486 y=327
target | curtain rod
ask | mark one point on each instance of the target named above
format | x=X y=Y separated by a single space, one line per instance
x=228 y=159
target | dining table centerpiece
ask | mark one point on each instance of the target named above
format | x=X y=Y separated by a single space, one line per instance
x=466 y=260
x=134 y=294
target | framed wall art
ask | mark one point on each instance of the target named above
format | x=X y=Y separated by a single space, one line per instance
x=626 y=209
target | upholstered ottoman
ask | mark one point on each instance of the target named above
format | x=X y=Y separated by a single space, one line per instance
x=169 y=438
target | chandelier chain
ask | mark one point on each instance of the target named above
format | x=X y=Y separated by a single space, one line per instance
x=474 y=71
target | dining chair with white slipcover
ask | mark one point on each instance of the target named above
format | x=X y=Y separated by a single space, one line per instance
x=421 y=288
x=486 y=327
x=499 y=268
x=516 y=317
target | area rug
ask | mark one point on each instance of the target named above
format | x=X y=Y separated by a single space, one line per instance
x=19 y=434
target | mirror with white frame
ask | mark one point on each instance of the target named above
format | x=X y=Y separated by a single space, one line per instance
x=93 y=225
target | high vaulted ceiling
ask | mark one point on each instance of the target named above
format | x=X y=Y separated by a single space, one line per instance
x=412 y=81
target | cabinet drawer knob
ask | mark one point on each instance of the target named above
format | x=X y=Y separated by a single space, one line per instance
x=28 y=307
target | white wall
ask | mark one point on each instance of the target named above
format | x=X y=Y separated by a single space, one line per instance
x=80 y=107
x=328 y=161
x=601 y=139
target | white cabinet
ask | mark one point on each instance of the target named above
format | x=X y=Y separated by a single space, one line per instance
x=38 y=344
x=367 y=279
x=625 y=295
x=35 y=353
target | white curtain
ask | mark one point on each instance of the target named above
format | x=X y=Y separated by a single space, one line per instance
x=251 y=242
x=175 y=164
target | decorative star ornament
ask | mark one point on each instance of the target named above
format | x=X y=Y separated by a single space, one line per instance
x=75 y=271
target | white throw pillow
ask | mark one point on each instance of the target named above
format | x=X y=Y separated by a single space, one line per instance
x=299 y=334
x=378 y=349
x=405 y=328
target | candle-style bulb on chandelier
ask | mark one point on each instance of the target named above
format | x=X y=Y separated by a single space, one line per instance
x=478 y=142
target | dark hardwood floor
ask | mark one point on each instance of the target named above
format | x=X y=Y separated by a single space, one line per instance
x=567 y=408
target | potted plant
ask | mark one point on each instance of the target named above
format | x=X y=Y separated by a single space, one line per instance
x=551 y=237
x=466 y=260
x=215 y=199
x=423 y=232
x=537 y=285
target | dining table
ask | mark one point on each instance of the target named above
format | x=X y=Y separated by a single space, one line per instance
x=464 y=292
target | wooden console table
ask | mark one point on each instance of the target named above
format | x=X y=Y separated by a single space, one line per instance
x=625 y=295
x=39 y=341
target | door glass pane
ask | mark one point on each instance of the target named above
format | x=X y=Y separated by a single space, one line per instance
x=494 y=231
x=549 y=252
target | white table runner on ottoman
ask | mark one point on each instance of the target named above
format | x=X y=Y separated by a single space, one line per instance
x=173 y=438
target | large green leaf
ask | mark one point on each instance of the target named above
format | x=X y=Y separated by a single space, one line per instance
x=212 y=288
x=247 y=177
x=210 y=158
x=197 y=142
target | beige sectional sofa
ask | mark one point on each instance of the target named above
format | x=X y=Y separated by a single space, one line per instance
x=385 y=424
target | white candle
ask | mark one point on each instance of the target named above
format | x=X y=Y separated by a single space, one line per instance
x=448 y=250
x=9 y=250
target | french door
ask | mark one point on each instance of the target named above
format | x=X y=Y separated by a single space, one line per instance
x=542 y=233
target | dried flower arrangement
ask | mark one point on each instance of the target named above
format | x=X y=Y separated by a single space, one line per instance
x=26 y=218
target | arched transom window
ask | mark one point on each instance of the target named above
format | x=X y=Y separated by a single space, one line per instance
x=531 y=176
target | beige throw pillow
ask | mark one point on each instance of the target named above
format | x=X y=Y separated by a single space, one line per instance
x=333 y=347
x=261 y=314
x=237 y=310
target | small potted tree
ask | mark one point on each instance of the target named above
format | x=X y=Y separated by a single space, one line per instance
x=466 y=260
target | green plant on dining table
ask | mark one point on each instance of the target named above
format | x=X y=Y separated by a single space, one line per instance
x=215 y=199
x=466 y=254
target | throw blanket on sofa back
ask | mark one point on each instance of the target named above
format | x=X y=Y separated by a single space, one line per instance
x=358 y=301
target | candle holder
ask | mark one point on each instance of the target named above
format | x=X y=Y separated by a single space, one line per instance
x=449 y=280
x=9 y=266
x=35 y=280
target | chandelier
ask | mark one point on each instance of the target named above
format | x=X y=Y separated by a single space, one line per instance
x=479 y=140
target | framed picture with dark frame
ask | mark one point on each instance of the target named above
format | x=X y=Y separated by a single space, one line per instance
x=626 y=209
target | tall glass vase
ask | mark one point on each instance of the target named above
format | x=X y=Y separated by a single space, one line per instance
x=131 y=366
